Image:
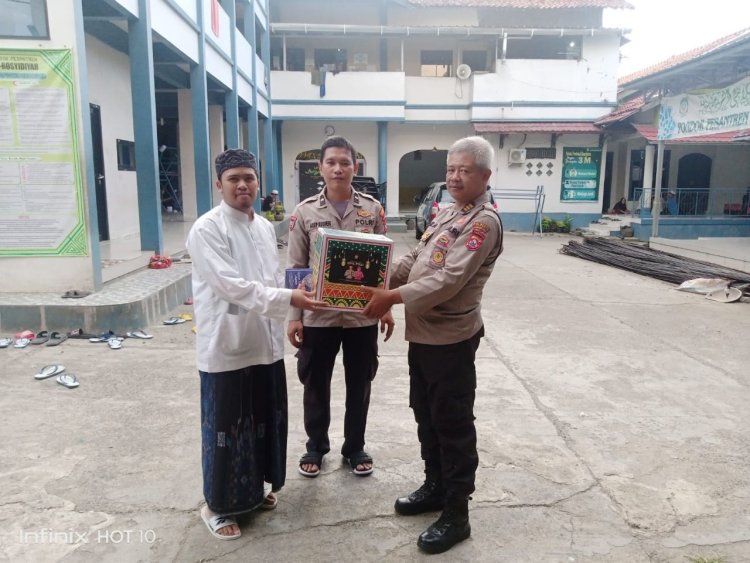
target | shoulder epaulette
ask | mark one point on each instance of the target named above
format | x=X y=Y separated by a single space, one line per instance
x=367 y=196
x=311 y=199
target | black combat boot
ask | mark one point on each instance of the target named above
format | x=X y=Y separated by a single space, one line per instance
x=427 y=498
x=451 y=528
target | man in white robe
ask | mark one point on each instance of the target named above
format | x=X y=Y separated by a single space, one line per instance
x=240 y=304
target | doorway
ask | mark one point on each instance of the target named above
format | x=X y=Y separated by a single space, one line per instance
x=102 y=215
x=693 y=182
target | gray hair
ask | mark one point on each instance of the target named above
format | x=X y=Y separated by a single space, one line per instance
x=476 y=146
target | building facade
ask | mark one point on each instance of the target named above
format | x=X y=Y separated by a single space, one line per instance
x=403 y=80
x=142 y=94
x=705 y=177
x=118 y=108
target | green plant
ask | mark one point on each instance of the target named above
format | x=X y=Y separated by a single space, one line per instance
x=566 y=223
x=550 y=225
x=711 y=559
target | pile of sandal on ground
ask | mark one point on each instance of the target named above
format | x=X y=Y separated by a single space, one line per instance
x=47 y=338
x=26 y=337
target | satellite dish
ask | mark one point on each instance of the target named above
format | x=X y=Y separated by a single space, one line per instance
x=463 y=71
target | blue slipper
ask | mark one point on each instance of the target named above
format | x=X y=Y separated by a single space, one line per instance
x=104 y=337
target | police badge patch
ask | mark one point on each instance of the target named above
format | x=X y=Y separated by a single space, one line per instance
x=292 y=222
x=480 y=229
x=443 y=241
x=474 y=242
x=437 y=259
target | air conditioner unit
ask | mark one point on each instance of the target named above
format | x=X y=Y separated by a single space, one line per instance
x=516 y=156
x=463 y=71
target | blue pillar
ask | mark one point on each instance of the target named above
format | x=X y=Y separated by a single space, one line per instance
x=269 y=154
x=383 y=156
x=252 y=130
x=253 y=143
x=277 y=158
x=144 y=125
x=199 y=99
x=272 y=181
x=88 y=150
x=231 y=99
x=383 y=41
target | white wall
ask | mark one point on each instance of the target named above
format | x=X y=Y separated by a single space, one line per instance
x=731 y=167
x=109 y=88
x=174 y=29
x=224 y=38
x=405 y=138
x=216 y=140
x=433 y=16
x=509 y=177
x=299 y=136
x=130 y=5
x=329 y=12
x=190 y=7
x=217 y=66
x=22 y=274
x=187 y=154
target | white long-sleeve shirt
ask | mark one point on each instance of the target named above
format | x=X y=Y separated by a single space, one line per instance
x=238 y=290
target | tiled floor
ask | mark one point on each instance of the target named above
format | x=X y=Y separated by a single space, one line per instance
x=124 y=255
x=124 y=274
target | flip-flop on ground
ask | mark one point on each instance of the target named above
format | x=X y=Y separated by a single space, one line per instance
x=49 y=371
x=67 y=380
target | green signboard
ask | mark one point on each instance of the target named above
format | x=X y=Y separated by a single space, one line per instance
x=580 y=176
x=41 y=210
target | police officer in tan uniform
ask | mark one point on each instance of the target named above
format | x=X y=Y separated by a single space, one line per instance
x=440 y=284
x=319 y=337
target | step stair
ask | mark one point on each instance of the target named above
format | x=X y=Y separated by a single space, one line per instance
x=609 y=225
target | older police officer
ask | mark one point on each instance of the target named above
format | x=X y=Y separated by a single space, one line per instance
x=440 y=284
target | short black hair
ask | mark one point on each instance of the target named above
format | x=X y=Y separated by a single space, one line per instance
x=340 y=142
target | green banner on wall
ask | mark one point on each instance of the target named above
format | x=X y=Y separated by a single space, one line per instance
x=41 y=193
x=580 y=175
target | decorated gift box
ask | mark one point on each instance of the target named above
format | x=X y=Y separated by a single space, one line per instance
x=344 y=261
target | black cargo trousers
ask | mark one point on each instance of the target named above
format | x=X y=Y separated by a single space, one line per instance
x=443 y=381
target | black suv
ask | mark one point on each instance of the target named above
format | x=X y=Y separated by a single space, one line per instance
x=368 y=185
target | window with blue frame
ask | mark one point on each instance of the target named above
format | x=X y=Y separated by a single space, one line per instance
x=24 y=19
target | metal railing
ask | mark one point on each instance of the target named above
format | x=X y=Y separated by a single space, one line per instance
x=701 y=202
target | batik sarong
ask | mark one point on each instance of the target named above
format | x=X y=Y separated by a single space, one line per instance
x=243 y=431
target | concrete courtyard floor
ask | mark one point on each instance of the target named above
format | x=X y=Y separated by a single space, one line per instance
x=612 y=415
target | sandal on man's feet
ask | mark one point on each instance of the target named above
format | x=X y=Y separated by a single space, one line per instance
x=311 y=458
x=269 y=502
x=218 y=522
x=357 y=459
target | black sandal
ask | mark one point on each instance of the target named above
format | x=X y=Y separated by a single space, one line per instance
x=360 y=458
x=311 y=458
